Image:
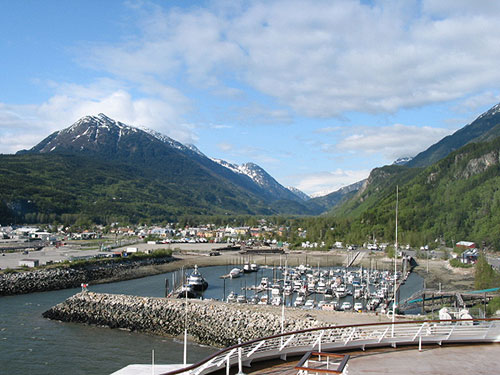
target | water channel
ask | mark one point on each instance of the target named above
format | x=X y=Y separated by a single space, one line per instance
x=30 y=344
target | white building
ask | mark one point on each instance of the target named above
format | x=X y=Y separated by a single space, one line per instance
x=29 y=263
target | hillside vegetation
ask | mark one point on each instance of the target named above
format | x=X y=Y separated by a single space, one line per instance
x=49 y=187
x=455 y=198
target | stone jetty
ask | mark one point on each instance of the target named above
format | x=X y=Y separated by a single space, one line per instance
x=208 y=322
x=74 y=275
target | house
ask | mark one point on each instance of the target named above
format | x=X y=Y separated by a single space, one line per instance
x=469 y=256
x=466 y=244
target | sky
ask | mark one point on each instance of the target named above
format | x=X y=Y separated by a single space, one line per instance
x=318 y=93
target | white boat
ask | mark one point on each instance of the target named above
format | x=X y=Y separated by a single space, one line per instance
x=276 y=301
x=358 y=306
x=232 y=297
x=297 y=284
x=321 y=286
x=299 y=301
x=328 y=293
x=263 y=301
x=276 y=289
x=254 y=267
x=254 y=300
x=309 y=304
x=234 y=273
x=241 y=299
x=311 y=285
x=196 y=281
x=264 y=283
x=346 y=306
x=358 y=291
x=341 y=291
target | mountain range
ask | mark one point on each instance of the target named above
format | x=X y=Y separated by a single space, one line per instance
x=101 y=169
x=120 y=163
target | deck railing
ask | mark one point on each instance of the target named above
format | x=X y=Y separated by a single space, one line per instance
x=345 y=337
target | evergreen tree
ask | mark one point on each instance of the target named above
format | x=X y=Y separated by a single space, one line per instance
x=484 y=275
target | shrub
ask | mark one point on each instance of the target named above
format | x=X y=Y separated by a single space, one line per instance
x=455 y=262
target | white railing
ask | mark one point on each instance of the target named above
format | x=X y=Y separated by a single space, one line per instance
x=348 y=337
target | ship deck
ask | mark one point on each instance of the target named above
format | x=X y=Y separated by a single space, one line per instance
x=433 y=359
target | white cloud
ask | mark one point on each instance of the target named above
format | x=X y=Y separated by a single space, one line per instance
x=474 y=103
x=319 y=58
x=72 y=102
x=225 y=146
x=391 y=142
x=321 y=183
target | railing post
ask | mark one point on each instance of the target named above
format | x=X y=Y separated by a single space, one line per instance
x=240 y=362
x=228 y=366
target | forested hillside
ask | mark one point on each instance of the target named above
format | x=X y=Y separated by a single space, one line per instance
x=456 y=198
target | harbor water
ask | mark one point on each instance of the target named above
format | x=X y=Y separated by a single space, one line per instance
x=30 y=344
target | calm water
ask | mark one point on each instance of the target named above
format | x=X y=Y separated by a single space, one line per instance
x=30 y=344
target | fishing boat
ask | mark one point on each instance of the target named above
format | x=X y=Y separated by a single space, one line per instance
x=196 y=281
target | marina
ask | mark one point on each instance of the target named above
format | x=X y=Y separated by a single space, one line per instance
x=30 y=341
x=327 y=288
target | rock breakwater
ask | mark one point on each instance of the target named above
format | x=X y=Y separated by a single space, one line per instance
x=73 y=276
x=208 y=322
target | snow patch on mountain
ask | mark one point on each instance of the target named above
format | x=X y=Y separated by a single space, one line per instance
x=299 y=193
x=492 y=111
x=256 y=173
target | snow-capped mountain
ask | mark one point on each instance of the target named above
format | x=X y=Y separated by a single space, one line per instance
x=102 y=137
x=261 y=178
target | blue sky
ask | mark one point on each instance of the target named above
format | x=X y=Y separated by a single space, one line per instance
x=318 y=93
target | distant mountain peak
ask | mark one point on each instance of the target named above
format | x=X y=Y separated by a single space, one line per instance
x=261 y=178
x=491 y=112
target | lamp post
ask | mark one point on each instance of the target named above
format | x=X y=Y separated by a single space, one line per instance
x=395 y=261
